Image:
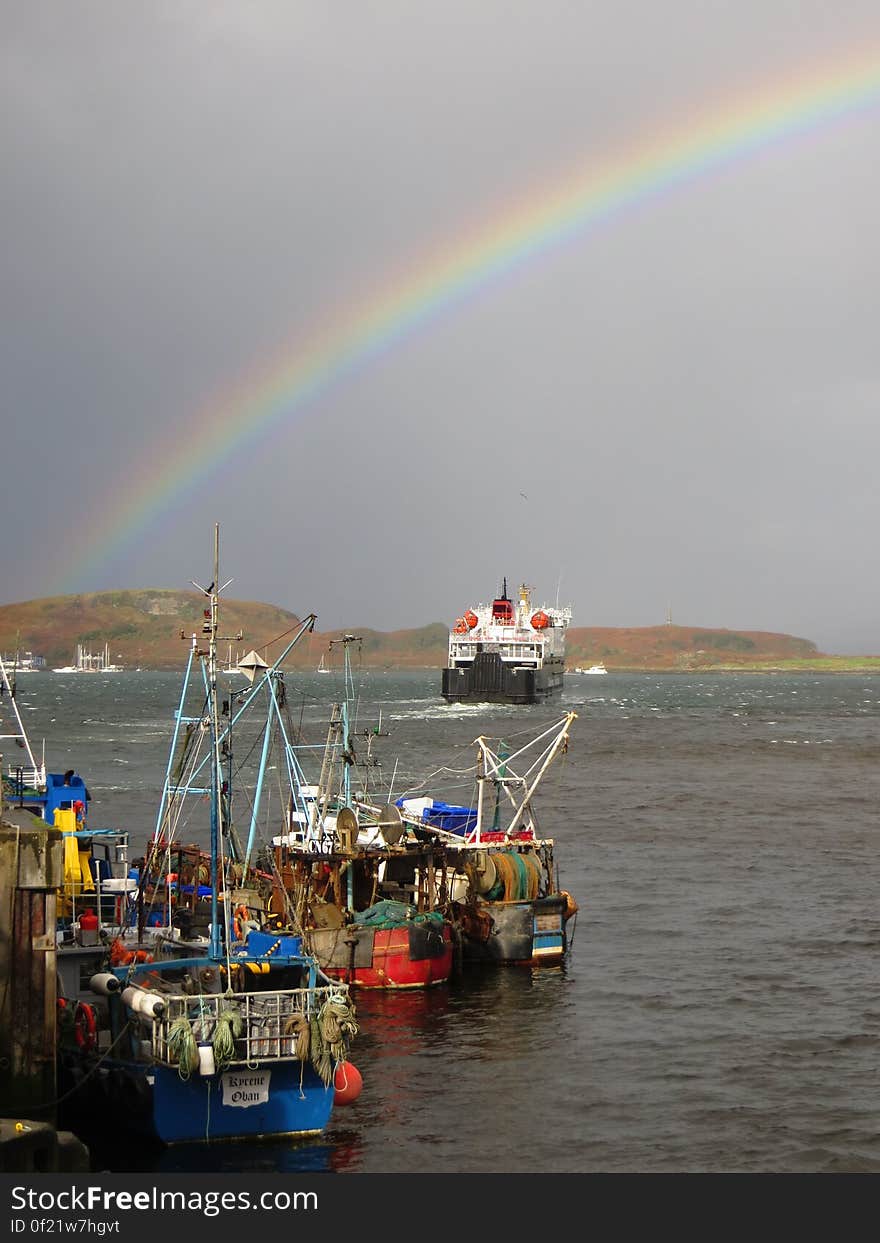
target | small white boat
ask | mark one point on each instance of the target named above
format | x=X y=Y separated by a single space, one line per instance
x=596 y=669
x=322 y=668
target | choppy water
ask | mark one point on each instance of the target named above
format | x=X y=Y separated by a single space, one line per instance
x=720 y=1009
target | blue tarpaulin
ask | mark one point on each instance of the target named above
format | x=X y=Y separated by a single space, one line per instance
x=450 y=817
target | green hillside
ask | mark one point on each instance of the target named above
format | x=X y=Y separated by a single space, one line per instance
x=143 y=631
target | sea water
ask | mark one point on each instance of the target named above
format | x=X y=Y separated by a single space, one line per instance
x=719 y=1008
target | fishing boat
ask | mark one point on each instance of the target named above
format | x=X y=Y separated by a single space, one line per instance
x=500 y=871
x=368 y=893
x=506 y=652
x=219 y=1026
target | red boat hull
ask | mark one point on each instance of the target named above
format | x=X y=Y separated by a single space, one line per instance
x=394 y=961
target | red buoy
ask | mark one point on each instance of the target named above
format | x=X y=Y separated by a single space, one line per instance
x=347 y=1084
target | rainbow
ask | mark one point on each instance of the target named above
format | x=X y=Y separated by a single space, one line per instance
x=282 y=388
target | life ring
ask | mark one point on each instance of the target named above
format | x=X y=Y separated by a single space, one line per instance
x=85 y=1029
x=239 y=919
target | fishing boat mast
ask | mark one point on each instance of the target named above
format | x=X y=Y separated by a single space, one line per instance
x=496 y=767
x=348 y=753
x=210 y=629
x=188 y=777
x=35 y=776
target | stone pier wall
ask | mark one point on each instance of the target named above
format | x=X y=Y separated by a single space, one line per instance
x=30 y=875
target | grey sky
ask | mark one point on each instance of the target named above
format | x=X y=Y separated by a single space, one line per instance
x=687 y=395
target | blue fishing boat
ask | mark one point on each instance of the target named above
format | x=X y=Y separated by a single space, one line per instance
x=210 y=1022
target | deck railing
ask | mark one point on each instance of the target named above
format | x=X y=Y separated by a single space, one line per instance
x=269 y=1021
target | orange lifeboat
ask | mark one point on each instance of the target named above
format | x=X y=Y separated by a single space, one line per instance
x=540 y=620
x=471 y=619
x=460 y=627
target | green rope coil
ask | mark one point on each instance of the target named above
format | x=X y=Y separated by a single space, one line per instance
x=183 y=1046
x=322 y=1058
x=338 y=1027
x=227 y=1029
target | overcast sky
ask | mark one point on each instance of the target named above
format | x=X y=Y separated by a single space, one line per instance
x=676 y=407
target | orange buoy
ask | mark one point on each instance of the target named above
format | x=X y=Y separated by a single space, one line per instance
x=347 y=1084
x=119 y=955
x=571 y=907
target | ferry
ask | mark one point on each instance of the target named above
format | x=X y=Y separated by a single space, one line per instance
x=505 y=652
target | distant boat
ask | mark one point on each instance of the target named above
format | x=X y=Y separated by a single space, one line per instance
x=596 y=669
x=90 y=662
x=24 y=662
x=231 y=666
x=74 y=668
x=322 y=668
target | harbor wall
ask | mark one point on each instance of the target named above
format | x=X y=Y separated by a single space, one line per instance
x=30 y=875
